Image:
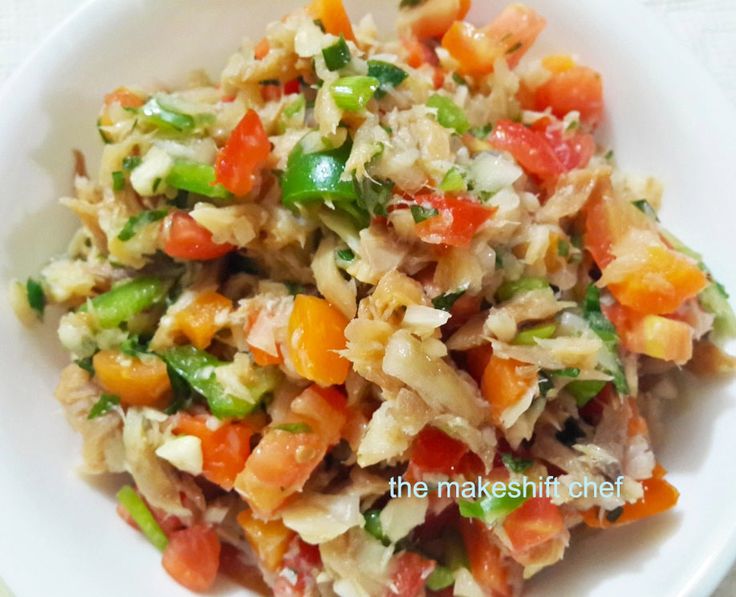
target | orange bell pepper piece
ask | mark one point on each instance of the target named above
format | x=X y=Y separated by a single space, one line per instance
x=136 y=381
x=504 y=383
x=203 y=318
x=333 y=16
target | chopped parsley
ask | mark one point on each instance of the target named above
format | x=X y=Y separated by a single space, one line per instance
x=103 y=406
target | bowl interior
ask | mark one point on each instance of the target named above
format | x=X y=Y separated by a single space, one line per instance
x=664 y=118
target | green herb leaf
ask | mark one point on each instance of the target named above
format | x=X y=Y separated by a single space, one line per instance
x=103 y=406
x=374 y=195
x=131 y=162
x=345 y=255
x=118 y=180
x=181 y=391
x=459 y=79
x=449 y=114
x=514 y=463
x=337 y=55
x=420 y=213
x=446 y=301
x=133 y=347
x=388 y=75
x=645 y=207
x=36 y=296
x=294 y=427
x=86 y=364
x=138 y=221
x=165 y=118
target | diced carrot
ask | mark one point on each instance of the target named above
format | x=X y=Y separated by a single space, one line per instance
x=333 y=16
x=659 y=496
x=224 y=449
x=262 y=49
x=203 y=317
x=316 y=332
x=136 y=381
x=125 y=97
x=504 y=383
x=268 y=539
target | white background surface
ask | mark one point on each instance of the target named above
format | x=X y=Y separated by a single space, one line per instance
x=707 y=27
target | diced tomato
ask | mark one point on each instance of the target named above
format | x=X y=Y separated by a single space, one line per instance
x=304 y=563
x=192 y=557
x=333 y=16
x=509 y=35
x=136 y=381
x=485 y=559
x=408 y=572
x=418 y=53
x=316 y=332
x=535 y=522
x=125 y=97
x=186 y=239
x=245 y=153
x=576 y=88
x=269 y=539
x=432 y=18
x=203 y=317
x=433 y=451
x=237 y=565
x=292 y=87
x=653 y=335
x=270 y=92
x=224 y=450
x=284 y=459
x=476 y=360
x=505 y=382
x=456 y=223
x=607 y=220
x=573 y=150
x=659 y=496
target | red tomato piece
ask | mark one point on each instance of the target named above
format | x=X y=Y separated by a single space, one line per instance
x=573 y=151
x=433 y=451
x=538 y=520
x=409 y=571
x=485 y=559
x=192 y=557
x=578 y=88
x=186 y=239
x=245 y=153
x=224 y=450
x=292 y=87
x=456 y=222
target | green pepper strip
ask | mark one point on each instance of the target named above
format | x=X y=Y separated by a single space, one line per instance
x=143 y=517
x=337 y=55
x=441 y=578
x=584 y=390
x=511 y=288
x=490 y=509
x=353 y=93
x=449 y=114
x=389 y=76
x=529 y=337
x=123 y=302
x=165 y=118
x=197 y=367
x=317 y=176
x=196 y=178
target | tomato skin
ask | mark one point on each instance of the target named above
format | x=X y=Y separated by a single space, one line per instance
x=576 y=88
x=485 y=559
x=192 y=557
x=224 y=450
x=245 y=153
x=573 y=151
x=185 y=239
x=536 y=521
x=529 y=148
x=433 y=451
x=457 y=222
x=408 y=572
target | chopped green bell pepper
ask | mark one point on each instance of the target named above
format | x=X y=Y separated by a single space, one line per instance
x=388 y=75
x=490 y=509
x=511 y=288
x=584 y=390
x=337 y=55
x=353 y=93
x=165 y=118
x=197 y=367
x=143 y=517
x=196 y=178
x=317 y=176
x=449 y=114
x=126 y=300
x=528 y=337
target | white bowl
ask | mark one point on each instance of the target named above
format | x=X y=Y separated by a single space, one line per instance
x=60 y=536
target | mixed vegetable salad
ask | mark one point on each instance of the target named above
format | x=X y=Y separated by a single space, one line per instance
x=350 y=260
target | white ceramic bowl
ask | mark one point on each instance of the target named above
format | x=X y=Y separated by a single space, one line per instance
x=60 y=536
